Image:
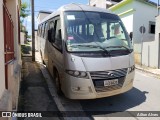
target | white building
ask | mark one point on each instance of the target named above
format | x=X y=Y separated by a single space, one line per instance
x=136 y=14
x=42 y=14
x=10 y=52
x=103 y=3
x=157 y=38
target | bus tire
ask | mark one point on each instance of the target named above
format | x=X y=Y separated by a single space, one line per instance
x=57 y=82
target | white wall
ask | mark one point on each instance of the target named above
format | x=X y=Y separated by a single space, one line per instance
x=101 y=3
x=22 y=38
x=128 y=22
x=2 y=69
x=36 y=42
x=127 y=18
x=157 y=38
x=98 y=3
x=145 y=13
x=41 y=16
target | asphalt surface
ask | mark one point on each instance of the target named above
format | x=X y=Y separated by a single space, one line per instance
x=143 y=97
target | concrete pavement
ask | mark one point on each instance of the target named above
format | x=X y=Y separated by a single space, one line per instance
x=150 y=70
x=34 y=93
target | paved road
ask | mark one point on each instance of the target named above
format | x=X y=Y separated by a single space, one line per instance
x=145 y=96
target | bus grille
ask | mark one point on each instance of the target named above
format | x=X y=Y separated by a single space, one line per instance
x=99 y=77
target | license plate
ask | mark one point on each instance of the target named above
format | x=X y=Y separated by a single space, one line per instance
x=110 y=82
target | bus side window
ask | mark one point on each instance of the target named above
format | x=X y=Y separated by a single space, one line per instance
x=51 y=32
x=44 y=26
x=38 y=30
x=45 y=30
x=42 y=30
x=58 y=39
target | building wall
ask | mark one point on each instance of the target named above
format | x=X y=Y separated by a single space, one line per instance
x=149 y=45
x=126 y=14
x=157 y=38
x=128 y=22
x=102 y=3
x=14 y=68
x=98 y=3
x=37 y=46
x=2 y=65
x=12 y=7
x=22 y=38
x=135 y=14
x=41 y=16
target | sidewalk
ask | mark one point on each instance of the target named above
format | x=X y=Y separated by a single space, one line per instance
x=148 y=70
x=34 y=93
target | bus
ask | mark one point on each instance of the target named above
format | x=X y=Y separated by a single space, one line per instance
x=88 y=52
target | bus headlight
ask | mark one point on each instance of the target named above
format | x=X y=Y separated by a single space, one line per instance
x=131 y=69
x=80 y=74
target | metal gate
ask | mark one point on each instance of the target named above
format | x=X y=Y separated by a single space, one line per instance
x=8 y=41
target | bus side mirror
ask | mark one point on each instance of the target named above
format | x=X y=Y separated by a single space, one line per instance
x=131 y=35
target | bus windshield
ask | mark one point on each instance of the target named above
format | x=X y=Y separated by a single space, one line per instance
x=95 y=31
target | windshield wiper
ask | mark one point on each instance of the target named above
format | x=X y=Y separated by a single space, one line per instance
x=120 y=47
x=103 y=49
x=93 y=46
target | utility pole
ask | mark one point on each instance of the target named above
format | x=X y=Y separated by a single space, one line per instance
x=33 y=35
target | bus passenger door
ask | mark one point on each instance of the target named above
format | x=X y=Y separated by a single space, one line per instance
x=51 y=52
x=55 y=47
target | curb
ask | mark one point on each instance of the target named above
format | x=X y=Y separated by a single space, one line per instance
x=144 y=70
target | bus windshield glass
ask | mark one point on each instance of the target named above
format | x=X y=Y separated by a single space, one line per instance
x=95 y=31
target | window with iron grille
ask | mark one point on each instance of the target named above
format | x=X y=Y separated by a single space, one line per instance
x=151 y=27
x=8 y=35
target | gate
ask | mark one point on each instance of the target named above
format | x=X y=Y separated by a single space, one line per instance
x=8 y=41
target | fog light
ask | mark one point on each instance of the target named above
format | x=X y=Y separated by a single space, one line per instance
x=76 y=89
x=131 y=69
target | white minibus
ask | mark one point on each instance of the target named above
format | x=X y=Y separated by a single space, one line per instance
x=88 y=52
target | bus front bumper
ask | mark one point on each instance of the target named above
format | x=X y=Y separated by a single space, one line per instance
x=80 y=88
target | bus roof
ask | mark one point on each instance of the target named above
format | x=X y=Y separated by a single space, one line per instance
x=75 y=7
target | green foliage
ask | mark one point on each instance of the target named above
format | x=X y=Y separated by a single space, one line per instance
x=23 y=12
x=28 y=36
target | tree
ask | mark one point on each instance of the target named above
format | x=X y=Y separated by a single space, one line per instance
x=23 y=13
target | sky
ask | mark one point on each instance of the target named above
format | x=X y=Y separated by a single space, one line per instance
x=48 y=5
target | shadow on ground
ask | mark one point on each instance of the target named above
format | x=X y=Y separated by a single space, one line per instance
x=113 y=104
